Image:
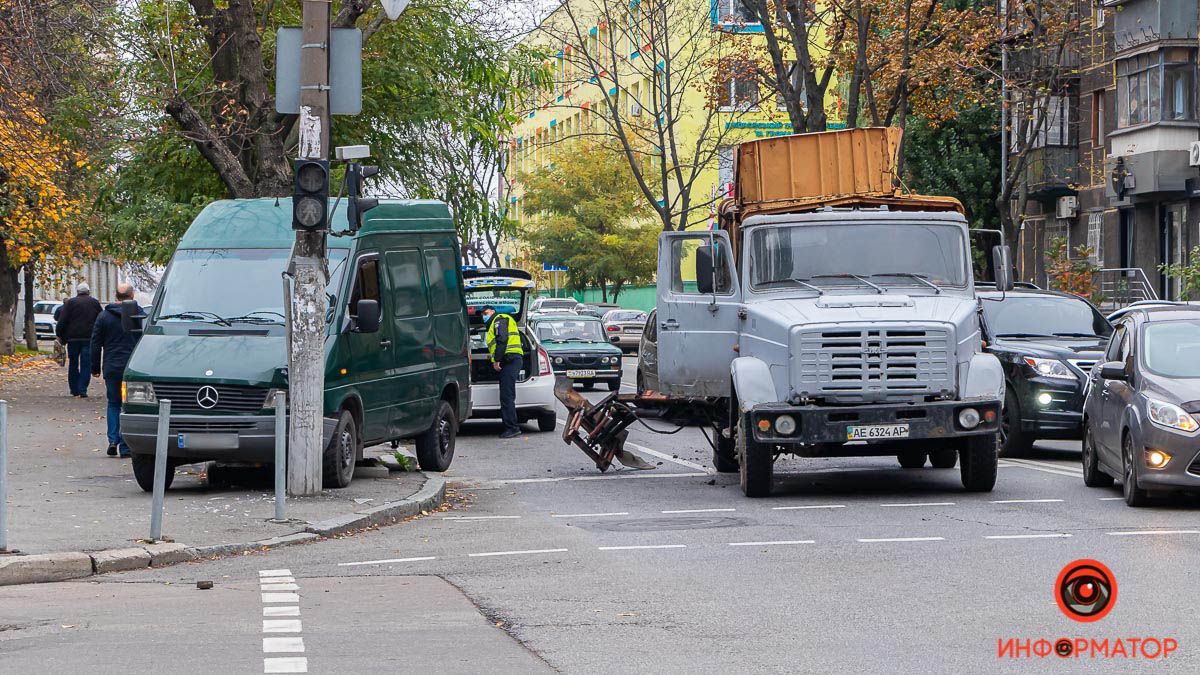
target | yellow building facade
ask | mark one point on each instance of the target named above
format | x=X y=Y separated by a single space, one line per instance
x=680 y=74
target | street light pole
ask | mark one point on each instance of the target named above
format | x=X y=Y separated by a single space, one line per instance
x=306 y=349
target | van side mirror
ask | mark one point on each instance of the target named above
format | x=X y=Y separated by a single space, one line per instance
x=1113 y=370
x=367 y=320
x=704 y=269
x=131 y=317
x=1002 y=268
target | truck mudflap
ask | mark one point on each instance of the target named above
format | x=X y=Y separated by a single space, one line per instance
x=599 y=430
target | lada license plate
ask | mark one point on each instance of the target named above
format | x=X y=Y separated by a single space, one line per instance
x=581 y=373
x=876 y=431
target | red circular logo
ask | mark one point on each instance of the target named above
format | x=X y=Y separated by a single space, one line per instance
x=1086 y=590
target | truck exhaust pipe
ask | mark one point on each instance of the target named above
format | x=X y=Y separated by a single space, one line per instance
x=598 y=430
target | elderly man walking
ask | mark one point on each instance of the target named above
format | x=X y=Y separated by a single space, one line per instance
x=111 y=347
x=74 y=330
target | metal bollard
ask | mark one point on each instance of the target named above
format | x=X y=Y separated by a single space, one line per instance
x=281 y=429
x=160 y=469
x=3 y=476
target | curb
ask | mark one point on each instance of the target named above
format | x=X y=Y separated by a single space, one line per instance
x=47 y=567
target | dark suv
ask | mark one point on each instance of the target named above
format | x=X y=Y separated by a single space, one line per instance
x=1047 y=343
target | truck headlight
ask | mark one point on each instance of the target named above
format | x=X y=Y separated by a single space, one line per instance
x=1052 y=368
x=785 y=425
x=1170 y=416
x=270 y=402
x=138 y=392
x=968 y=418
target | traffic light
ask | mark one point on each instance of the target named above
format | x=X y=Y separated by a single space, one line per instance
x=356 y=205
x=310 y=199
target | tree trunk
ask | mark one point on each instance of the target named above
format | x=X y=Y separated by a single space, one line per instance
x=31 y=340
x=8 y=305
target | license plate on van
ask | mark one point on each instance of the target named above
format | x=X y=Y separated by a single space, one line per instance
x=876 y=431
x=581 y=373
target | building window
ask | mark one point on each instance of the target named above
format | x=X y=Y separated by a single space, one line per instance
x=738 y=89
x=1155 y=87
x=733 y=11
x=1098 y=118
x=1095 y=237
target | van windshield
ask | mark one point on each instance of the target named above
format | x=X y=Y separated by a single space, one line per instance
x=233 y=285
x=853 y=256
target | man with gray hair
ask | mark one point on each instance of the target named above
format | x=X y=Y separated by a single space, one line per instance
x=111 y=348
x=74 y=329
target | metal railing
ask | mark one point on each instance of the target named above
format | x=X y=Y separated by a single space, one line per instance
x=1122 y=286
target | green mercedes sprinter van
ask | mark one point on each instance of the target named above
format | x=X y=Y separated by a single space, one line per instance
x=215 y=342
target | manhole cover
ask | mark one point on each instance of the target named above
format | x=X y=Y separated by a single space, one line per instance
x=660 y=524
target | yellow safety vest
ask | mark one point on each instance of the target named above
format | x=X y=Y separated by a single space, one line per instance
x=514 y=337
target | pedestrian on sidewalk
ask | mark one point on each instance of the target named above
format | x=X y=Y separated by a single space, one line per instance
x=112 y=346
x=74 y=330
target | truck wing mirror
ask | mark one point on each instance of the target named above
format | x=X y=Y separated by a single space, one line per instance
x=704 y=269
x=1113 y=370
x=1002 y=268
x=367 y=320
x=131 y=316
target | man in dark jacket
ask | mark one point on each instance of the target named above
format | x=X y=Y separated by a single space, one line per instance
x=74 y=329
x=111 y=345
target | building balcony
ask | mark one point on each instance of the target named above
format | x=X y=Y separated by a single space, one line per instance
x=1052 y=171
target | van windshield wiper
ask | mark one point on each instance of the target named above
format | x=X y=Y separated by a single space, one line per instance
x=252 y=318
x=861 y=280
x=1078 y=335
x=916 y=277
x=197 y=316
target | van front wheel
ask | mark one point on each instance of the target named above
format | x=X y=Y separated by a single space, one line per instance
x=143 y=472
x=339 y=456
x=435 y=447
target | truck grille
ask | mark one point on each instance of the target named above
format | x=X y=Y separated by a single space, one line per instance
x=230 y=398
x=871 y=363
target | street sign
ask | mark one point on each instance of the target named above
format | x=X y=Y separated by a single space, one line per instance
x=345 y=71
x=547 y=267
x=394 y=8
x=470 y=268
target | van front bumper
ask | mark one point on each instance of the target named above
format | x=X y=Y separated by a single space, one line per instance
x=817 y=425
x=239 y=438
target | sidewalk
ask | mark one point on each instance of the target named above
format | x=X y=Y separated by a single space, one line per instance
x=67 y=494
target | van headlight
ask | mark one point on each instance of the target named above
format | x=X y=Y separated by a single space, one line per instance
x=270 y=402
x=1170 y=416
x=139 y=392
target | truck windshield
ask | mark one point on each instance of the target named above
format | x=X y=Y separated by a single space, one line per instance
x=232 y=285
x=857 y=256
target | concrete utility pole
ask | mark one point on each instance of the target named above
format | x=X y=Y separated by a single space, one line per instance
x=306 y=353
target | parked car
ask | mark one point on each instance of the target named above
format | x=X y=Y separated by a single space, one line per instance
x=624 y=327
x=578 y=349
x=508 y=290
x=1047 y=343
x=591 y=310
x=1143 y=304
x=1143 y=404
x=647 y=367
x=215 y=343
x=555 y=305
x=43 y=318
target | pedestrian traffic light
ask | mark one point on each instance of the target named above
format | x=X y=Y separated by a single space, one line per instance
x=356 y=205
x=310 y=200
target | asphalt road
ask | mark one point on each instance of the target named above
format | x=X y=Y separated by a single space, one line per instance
x=543 y=564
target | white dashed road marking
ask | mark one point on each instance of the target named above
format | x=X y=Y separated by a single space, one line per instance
x=700 y=511
x=1052 y=535
x=922 y=504
x=1025 y=501
x=771 y=543
x=1111 y=499
x=641 y=548
x=1056 y=469
x=531 y=552
x=270 y=580
x=481 y=517
x=900 y=539
x=389 y=560
x=1133 y=533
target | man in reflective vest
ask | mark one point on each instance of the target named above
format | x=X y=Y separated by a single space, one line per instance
x=506 y=354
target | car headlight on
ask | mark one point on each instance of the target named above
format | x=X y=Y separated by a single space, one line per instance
x=270 y=402
x=1052 y=368
x=1170 y=416
x=139 y=392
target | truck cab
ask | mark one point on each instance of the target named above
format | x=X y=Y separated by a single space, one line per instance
x=829 y=330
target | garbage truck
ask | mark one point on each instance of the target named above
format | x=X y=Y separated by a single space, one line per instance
x=829 y=314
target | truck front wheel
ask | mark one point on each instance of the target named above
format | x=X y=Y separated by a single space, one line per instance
x=943 y=458
x=725 y=455
x=756 y=462
x=911 y=459
x=978 y=461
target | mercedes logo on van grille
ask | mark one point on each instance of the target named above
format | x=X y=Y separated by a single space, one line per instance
x=207 y=397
